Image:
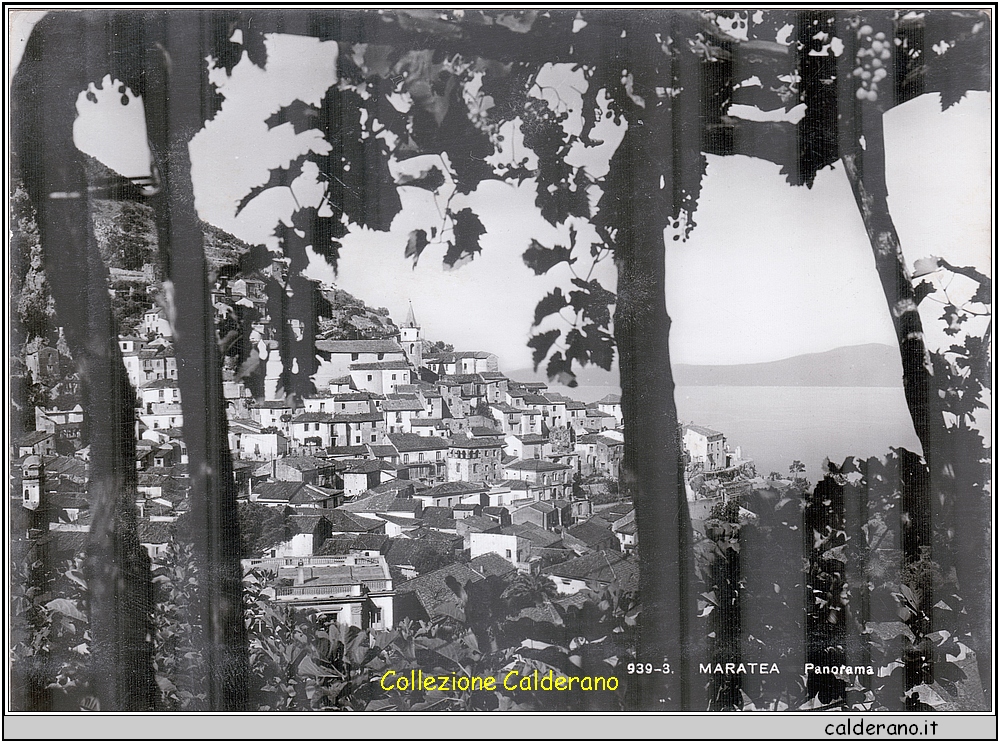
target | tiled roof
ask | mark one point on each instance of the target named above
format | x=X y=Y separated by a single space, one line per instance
x=312 y=418
x=710 y=433
x=347 y=451
x=373 y=346
x=345 y=521
x=453 y=488
x=438 y=517
x=306 y=464
x=399 y=520
x=414 y=551
x=492 y=564
x=590 y=533
x=400 y=404
x=617 y=511
x=32 y=438
x=357 y=417
x=305 y=524
x=541 y=506
x=535 y=534
x=402 y=488
x=154 y=532
x=65 y=466
x=383 y=503
x=604 y=566
x=382 y=366
x=281 y=492
x=450 y=380
x=608 y=440
x=439 y=358
x=434 y=535
x=272 y=405
x=343 y=542
x=156 y=384
x=364 y=466
x=536 y=465
x=479 y=524
x=353 y=396
x=463 y=442
x=535 y=399
x=241 y=427
x=310 y=495
x=427 y=423
x=432 y=588
x=408 y=442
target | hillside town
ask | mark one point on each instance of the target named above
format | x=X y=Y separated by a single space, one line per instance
x=406 y=466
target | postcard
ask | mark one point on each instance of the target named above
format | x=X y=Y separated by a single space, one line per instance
x=596 y=366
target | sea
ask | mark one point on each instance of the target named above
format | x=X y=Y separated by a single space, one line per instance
x=775 y=426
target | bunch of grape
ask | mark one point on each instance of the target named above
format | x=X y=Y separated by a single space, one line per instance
x=871 y=59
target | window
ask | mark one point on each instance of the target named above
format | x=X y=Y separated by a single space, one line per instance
x=509 y=554
x=406 y=459
x=374 y=438
x=381 y=356
x=357 y=439
x=315 y=426
x=354 y=357
x=393 y=377
x=369 y=377
x=322 y=407
x=421 y=456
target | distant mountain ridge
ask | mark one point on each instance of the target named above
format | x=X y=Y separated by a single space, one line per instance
x=868 y=365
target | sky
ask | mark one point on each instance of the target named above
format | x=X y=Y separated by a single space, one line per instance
x=770 y=271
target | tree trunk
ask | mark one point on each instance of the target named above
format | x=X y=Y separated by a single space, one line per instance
x=174 y=112
x=957 y=531
x=117 y=566
x=652 y=470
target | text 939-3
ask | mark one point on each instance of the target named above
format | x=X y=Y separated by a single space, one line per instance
x=640 y=669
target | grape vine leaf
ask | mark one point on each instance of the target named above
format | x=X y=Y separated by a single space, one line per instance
x=415 y=245
x=540 y=258
x=540 y=345
x=465 y=243
x=550 y=304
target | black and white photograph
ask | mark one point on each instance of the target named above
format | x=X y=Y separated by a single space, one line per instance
x=503 y=360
